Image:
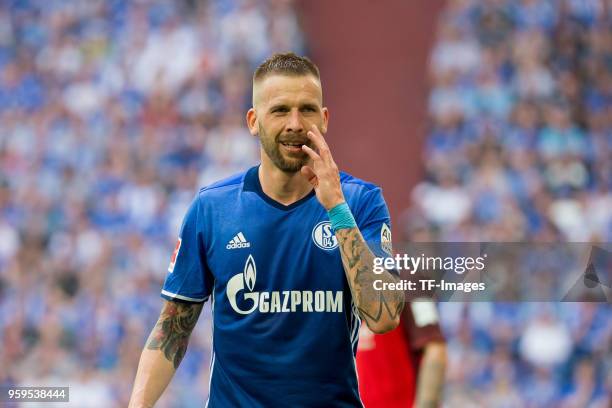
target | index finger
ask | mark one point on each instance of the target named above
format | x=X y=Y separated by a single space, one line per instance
x=319 y=141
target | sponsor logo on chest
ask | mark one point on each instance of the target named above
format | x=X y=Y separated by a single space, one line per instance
x=242 y=285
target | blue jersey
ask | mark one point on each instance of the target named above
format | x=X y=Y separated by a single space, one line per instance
x=284 y=326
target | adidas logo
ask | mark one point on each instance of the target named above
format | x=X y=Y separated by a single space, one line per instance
x=239 y=241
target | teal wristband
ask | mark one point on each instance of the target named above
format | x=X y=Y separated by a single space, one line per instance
x=341 y=217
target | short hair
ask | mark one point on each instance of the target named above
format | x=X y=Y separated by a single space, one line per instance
x=286 y=64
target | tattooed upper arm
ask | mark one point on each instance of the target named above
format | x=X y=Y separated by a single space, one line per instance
x=174 y=326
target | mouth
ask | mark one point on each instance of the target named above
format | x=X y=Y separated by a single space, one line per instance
x=292 y=147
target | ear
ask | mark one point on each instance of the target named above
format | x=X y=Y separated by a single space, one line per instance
x=251 y=118
x=325 y=112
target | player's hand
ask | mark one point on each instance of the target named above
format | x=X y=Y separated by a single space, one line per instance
x=322 y=173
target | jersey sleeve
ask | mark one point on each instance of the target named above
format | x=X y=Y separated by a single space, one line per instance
x=189 y=278
x=374 y=222
x=421 y=323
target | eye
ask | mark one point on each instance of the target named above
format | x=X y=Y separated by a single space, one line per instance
x=280 y=110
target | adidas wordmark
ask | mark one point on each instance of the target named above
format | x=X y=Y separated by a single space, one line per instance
x=239 y=241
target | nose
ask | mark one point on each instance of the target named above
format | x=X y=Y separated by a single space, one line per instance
x=294 y=122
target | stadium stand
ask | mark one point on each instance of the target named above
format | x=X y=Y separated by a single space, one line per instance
x=105 y=138
x=112 y=113
x=518 y=150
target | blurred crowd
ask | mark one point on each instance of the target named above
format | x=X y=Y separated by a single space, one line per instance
x=520 y=139
x=112 y=113
x=519 y=149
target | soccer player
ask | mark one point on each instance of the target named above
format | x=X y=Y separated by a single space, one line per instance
x=285 y=251
x=405 y=367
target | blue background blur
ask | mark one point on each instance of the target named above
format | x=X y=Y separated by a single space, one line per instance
x=113 y=113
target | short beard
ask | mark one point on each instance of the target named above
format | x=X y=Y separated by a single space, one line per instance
x=273 y=151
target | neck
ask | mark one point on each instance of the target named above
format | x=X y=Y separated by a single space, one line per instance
x=286 y=188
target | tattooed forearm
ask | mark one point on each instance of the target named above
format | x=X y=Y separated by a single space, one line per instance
x=430 y=384
x=377 y=308
x=173 y=328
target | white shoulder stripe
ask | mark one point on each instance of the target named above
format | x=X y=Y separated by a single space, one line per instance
x=177 y=296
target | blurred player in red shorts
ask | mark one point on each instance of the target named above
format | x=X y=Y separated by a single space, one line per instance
x=405 y=367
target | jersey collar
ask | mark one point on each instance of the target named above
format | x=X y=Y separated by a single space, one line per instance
x=251 y=183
